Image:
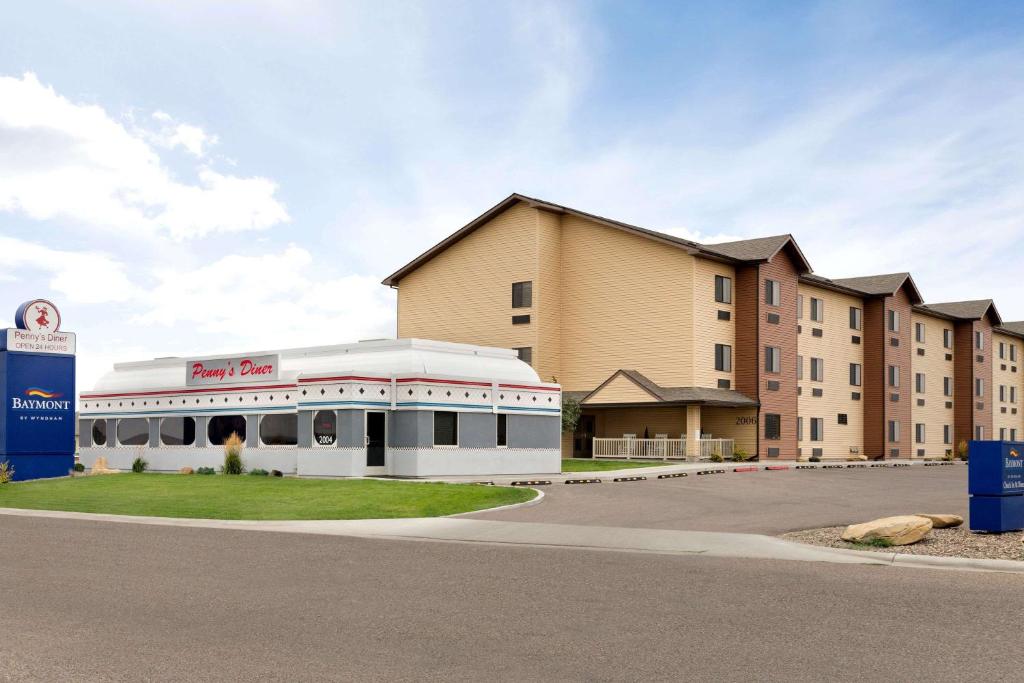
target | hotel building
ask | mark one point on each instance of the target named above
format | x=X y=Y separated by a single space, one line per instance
x=683 y=348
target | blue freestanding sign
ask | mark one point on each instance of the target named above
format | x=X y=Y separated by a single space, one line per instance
x=37 y=387
x=995 y=482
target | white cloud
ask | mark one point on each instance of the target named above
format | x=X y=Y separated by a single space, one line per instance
x=83 y=277
x=63 y=160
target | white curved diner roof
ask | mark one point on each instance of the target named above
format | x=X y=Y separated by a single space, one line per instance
x=379 y=357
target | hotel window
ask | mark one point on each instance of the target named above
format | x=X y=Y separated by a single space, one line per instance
x=133 y=431
x=99 y=432
x=772 y=293
x=772 y=426
x=325 y=428
x=279 y=430
x=1002 y=350
x=919 y=382
x=178 y=431
x=1013 y=353
x=223 y=426
x=502 y=428
x=979 y=341
x=979 y=433
x=919 y=332
x=919 y=433
x=800 y=306
x=817 y=310
x=894 y=321
x=1002 y=393
x=799 y=367
x=894 y=376
x=979 y=387
x=723 y=358
x=856 y=374
x=894 y=431
x=525 y=354
x=446 y=428
x=947 y=386
x=947 y=338
x=947 y=437
x=1013 y=394
x=817 y=369
x=522 y=294
x=1013 y=434
x=723 y=289
x=1002 y=433
x=856 y=318
x=817 y=428
x=799 y=429
x=772 y=359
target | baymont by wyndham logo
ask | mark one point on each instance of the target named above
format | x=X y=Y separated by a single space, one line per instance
x=40 y=399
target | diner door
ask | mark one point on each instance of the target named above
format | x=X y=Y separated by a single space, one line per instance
x=376 y=441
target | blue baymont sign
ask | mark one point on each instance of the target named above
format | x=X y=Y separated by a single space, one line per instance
x=37 y=386
x=995 y=482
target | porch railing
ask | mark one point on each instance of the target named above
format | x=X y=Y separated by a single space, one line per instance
x=659 y=449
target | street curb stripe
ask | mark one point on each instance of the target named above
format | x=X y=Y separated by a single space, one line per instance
x=711 y=472
x=582 y=481
x=630 y=479
x=856 y=465
x=673 y=475
x=901 y=464
x=831 y=467
x=530 y=483
x=880 y=464
x=749 y=468
x=775 y=468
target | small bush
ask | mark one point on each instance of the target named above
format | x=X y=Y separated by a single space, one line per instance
x=139 y=465
x=814 y=458
x=6 y=472
x=206 y=470
x=259 y=472
x=875 y=542
x=276 y=473
x=961 y=450
x=739 y=455
x=79 y=467
x=716 y=457
x=233 y=455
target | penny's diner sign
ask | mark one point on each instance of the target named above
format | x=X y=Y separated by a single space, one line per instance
x=38 y=330
x=234 y=370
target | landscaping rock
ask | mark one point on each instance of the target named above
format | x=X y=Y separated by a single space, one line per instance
x=942 y=521
x=100 y=467
x=185 y=470
x=899 y=530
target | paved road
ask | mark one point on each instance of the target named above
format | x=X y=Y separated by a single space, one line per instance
x=755 y=502
x=97 y=601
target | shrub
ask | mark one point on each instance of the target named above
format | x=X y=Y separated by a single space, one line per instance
x=6 y=472
x=716 y=456
x=276 y=473
x=739 y=455
x=259 y=472
x=814 y=458
x=961 y=450
x=233 y=455
x=571 y=410
x=79 y=467
x=139 y=465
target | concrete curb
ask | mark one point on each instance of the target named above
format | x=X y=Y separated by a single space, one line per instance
x=536 y=500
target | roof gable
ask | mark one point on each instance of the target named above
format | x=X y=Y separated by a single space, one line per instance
x=623 y=387
x=761 y=249
x=968 y=310
x=883 y=285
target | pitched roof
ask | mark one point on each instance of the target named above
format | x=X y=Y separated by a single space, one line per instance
x=759 y=249
x=966 y=310
x=697 y=395
x=1016 y=327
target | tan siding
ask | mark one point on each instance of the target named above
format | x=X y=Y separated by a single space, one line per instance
x=1006 y=377
x=933 y=364
x=838 y=352
x=621 y=390
x=613 y=423
x=548 y=297
x=738 y=424
x=626 y=303
x=708 y=330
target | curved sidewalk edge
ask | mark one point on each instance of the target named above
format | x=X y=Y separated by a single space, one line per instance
x=616 y=539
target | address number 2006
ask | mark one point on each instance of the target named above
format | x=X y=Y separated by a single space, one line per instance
x=746 y=420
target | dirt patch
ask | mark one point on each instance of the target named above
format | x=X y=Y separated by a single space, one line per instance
x=955 y=542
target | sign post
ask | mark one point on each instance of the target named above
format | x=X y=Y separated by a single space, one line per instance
x=37 y=387
x=995 y=482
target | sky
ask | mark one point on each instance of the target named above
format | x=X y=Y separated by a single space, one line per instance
x=196 y=177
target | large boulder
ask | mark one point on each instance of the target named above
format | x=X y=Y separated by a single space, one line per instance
x=186 y=470
x=899 y=530
x=100 y=466
x=942 y=521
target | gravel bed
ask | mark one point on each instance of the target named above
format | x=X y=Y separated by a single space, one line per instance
x=955 y=542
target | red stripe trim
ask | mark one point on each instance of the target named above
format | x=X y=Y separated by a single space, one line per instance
x=341 y=378
x=238 y=390
x=431 y=380
x=524 y=386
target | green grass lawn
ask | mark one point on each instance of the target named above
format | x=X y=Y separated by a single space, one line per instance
x=250 y=497
x=588 y=465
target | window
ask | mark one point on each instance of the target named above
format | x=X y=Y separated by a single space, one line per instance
x=723 y=289
x=502 y=436
x=772 y=293
x=1002 y=433
x=894 y=321
x=947 y=386
x=279 y=430
x=1013 y=434
x=133 y=431
x=772 y=426
x=799 y=429
x=894 y=431
x=520 y=320
x=522 y=294
x=979 y=387
x=947 y=436
x=799 y=368
x=894 y=376
x=979 y=341
x=325 y=428
x=817 y=429
x=817 y=369
x=772 y=359
x=855 y=374
x=99 y=432
x=800 y=306
x=1013 y=353
x=919 y=382
x=723 y=358
x=979 y=433
x=1013 y=394
x=178 y=431
x=1002 y=351
x=525 y=354
x=856 y=318
x=817 y=310
x=843 y=419
x=919 y=332
x=1002 y=393
x=446 y=429
x=947 y=338
x=223 y=426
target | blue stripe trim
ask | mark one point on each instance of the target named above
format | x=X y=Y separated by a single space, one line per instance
x=245 y=410
x=486 y=406
x=535 y=410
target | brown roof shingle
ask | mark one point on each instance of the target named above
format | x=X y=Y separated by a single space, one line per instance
x=966 y=310
x=701 y=395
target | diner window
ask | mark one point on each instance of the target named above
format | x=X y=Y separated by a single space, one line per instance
x=817 y=310
x=919 y=332
x=178 y=431
x=919 y=433
x=919 y=382
x=223 y=426
x=99 y=432
x=723 y=289
x=502 y=430
x=446 y=428
x=772 y=359
x=817 y=429
x=133 y=431
x=723 y=358
x=525 y=354
x=894 y=431
x=522 y=294
x=325 y=428
x=856 y=318
x=279 y=430
x=947 y=338
x=772 y=426
x=772 y=293
x=817 y=369
x=856 y=374
x=894 y=321
x=894 y=376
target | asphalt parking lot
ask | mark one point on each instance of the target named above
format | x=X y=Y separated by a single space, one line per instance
x=755 y=502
